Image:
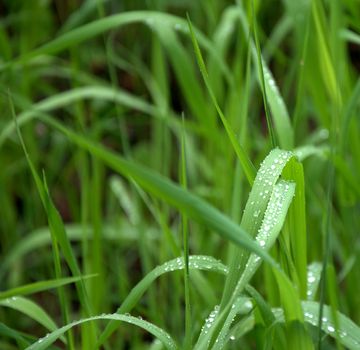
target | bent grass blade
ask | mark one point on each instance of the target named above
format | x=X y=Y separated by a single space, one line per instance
x=164 y=337
x=196 y=262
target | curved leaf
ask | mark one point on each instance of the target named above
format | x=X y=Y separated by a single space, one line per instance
x=32 y=310
x=164 y=337
x=196 y=262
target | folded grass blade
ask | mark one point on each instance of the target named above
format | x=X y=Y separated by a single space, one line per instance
x=41 y=286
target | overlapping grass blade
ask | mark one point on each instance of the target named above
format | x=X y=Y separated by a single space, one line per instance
x=31 y=309
x=7 y=332
x=266 y=178
x=326 y=65
x=246 y=163
x=186 y=77
x=271 y=226
x=196 y=262
x=164 y=189
x=223 y=336
x=280 y=198
x=90 y=30
x=349 y=332
x=164 y=337
x=282 y=124
x=67 y=98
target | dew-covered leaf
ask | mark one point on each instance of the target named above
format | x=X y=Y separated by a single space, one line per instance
x=50 y=338
x=32 y=310
x=241 y=305
x=196 y=262
x=313 y=279
x=348 y=331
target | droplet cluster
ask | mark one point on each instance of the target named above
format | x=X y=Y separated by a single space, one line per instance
x=272 y=214
x=313 y=277
x=198 y=262
x=210 y=319
x=266 y=178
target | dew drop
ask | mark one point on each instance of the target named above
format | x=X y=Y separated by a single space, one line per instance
x=311 y=279
x=262 y=243
x=331 y=329
x=256 y=213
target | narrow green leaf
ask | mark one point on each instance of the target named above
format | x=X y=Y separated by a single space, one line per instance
x=32 y=310
x=349 y=332
x=236 y=308
x=282 y=124
x=266 y=178
x=164 y=337
x=272 y=223
x=7 y=332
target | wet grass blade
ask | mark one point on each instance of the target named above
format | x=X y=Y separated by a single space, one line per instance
x=223 y=337
x=7 y=332
x=266 y=178
x=274 y=217
x=32 y=310
x=196 y=262
x=282 y=123
x=50 y=338
x=349 y=332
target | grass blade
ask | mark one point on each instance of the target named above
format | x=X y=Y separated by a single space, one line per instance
x=41 y=286
x=262 y=78
x=196 y=262
x=313 y=280
x=168 y=342
x=32 y=310
x=246 y=163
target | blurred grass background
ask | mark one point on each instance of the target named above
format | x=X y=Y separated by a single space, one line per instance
x=128 y=87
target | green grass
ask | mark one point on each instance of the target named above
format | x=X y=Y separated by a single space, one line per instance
x=179 y=175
